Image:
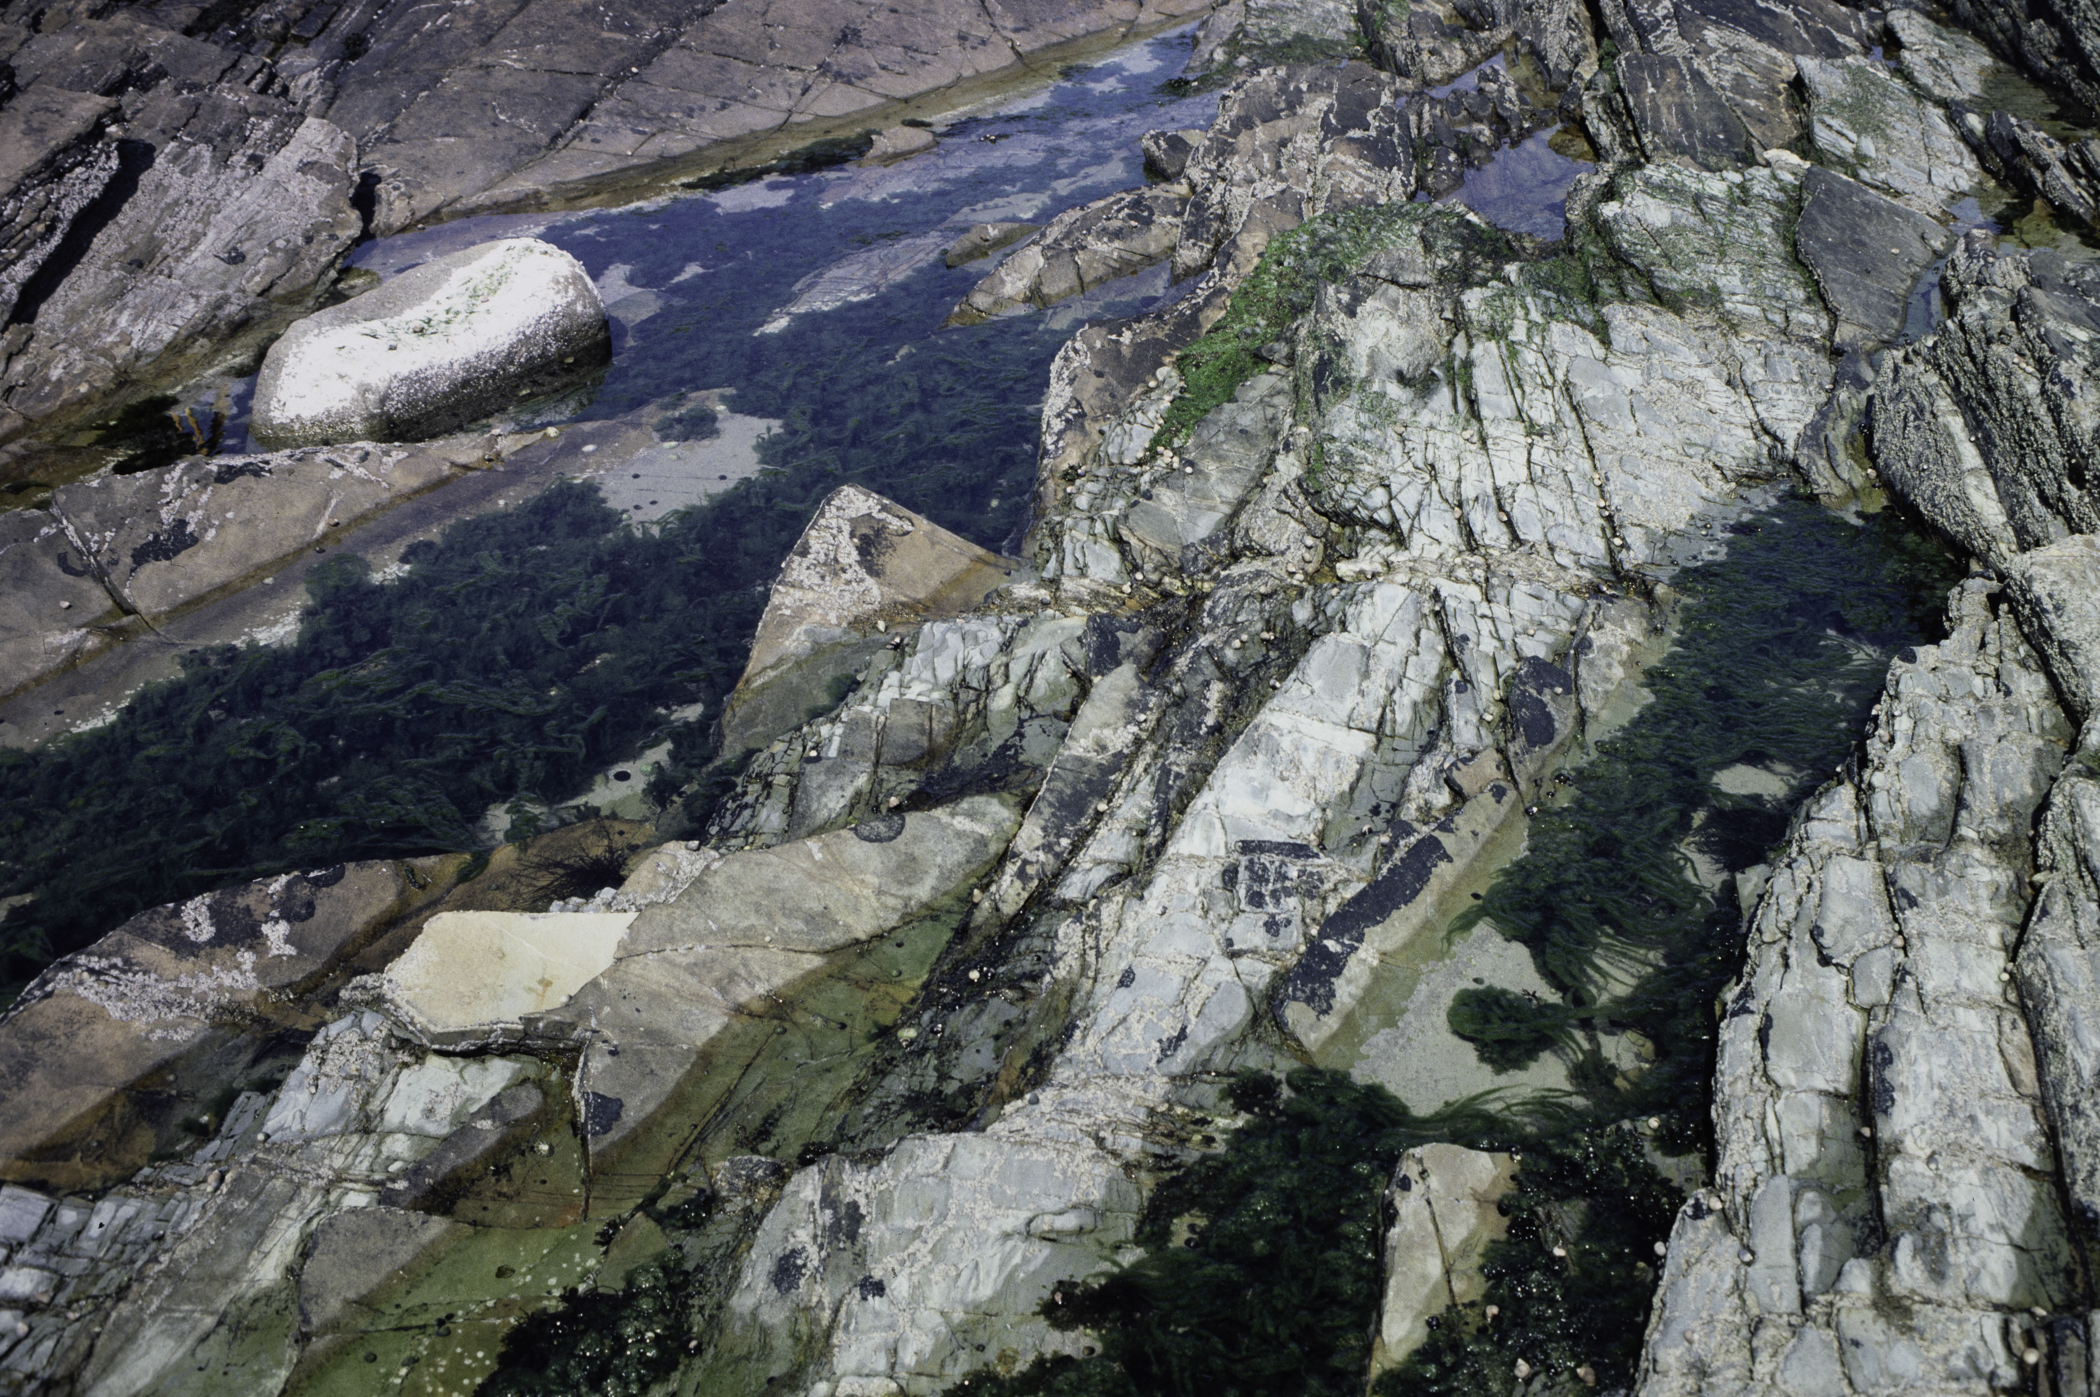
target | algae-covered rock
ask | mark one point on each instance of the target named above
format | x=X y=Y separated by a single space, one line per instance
x=434 y=348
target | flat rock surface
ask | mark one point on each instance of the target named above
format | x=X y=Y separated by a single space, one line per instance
x=170 y=981
x=482 y=970
x=1867 y=252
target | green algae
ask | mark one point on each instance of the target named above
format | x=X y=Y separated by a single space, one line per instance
x=1285 y=284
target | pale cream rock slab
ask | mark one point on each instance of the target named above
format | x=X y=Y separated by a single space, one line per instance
x=472 y=970
x=1443 y=1200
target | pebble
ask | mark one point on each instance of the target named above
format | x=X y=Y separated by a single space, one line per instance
x=1662 y=1248
x=1560 y=1251
x=1746 y=1256
x=2031 y=1357
x=1522 y=1370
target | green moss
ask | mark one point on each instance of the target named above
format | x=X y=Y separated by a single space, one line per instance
x=1287 y=281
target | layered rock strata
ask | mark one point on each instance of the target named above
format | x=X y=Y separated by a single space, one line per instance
x=1336 y=559
x=177 y=181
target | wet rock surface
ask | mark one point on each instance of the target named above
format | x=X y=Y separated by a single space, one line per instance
x=175 y=180
x=1339 y=563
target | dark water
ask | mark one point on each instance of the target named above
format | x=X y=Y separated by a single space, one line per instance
x=525 y=652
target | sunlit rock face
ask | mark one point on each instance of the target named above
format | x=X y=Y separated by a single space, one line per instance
x=1356 y=571
x=434 y=348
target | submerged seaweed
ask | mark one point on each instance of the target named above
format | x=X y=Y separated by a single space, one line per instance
x=1275 y=1285
x=1781 y=651
x=524 y=652
x=605 y=1343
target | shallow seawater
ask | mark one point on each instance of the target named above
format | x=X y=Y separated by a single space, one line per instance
x=1524 y=187
x=524 y=653
x=1625 y=887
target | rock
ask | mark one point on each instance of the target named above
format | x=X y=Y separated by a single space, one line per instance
x=1913 y=870
x=1678 y=112
x=2059 y=978
x=219 y=207
x=51 y=603
x=2053 y=41
x=1945 y=63
x=1079 y=250
x=898 y=143
x=85 y=1048
x=496 y=1128
x=1967 y=424
x=983 y=239
x=165 y=540
x=1167 y=153
x=434 y=348
x=862 y=566
x=481 y=973
x=1429 y=44
x=1867 y=124
x=201 y=1262
x=1443 y=1209
x=745 y=930
x=1867 y=252
x=2056 y=591
x=354 y=1253
x=2023 y=154
x=1210 y=477
x=52 y=166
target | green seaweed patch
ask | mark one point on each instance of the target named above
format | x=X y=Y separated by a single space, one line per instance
x=602 y=1343
x=1570 y=1283
x=1286 y=282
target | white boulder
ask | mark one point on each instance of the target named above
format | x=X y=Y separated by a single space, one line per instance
x=433 y=349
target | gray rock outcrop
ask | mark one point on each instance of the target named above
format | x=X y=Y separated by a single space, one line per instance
x=1324 y=586
x=434 y=348
x=178 y=182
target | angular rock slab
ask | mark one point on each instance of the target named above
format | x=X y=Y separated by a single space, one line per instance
x=862 y=565
x=476 y=971
x=744 y=931
x=437 y=347
x=1867 y=252
x=89 y=1034
x=1080 y=250
x=1443 y=1207
x=48 y=599
x=164 y=540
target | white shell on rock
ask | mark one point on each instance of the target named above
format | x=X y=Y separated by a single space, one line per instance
x=434 y=348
